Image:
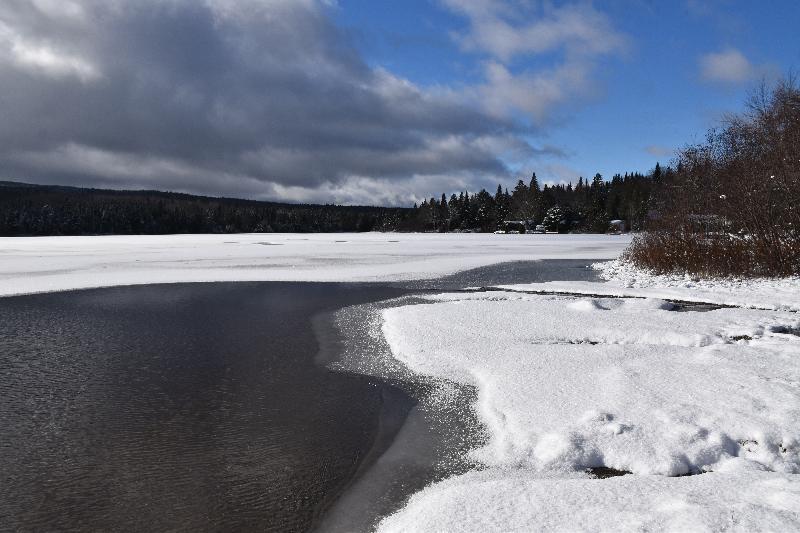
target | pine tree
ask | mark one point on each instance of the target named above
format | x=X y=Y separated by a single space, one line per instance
x=444 y=214
x=657 y=173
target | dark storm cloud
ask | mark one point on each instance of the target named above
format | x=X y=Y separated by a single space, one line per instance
x=250 y=97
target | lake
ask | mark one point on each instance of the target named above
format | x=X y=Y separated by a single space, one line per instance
x=192 y=407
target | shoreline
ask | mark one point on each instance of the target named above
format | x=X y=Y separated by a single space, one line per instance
x=396 y=405
x=431 y=444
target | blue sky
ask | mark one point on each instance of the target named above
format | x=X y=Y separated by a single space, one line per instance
x=651 y=96
x=367 y=101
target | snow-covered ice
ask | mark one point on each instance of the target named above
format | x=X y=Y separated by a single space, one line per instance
x=566 y=384
x=43 y=264
x=622 y=279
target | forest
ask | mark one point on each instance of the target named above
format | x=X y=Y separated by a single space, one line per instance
x=588 y=207
x=54 y=210
x=36 y=210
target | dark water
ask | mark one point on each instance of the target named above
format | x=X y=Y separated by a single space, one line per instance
x=510 y=273
x=177 y=407
x=193 y=407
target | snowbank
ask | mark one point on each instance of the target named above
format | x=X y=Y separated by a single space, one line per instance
x=42 y=264
x=622 y=279
x=568 y=384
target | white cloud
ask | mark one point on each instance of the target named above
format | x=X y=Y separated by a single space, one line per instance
x=536 y=94
x=558 y=174
x=578 y=34
x=578 y=28
x=728 y=66
x=366 y=190
x=43 y=58
x=659 y=151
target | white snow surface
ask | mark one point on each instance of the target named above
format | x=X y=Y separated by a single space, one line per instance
x=44 y=264
x=564 y=384
x=519 y=501
x=622 y=279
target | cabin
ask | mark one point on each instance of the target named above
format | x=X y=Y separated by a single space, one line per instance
x=521 y=226
x=615 y=227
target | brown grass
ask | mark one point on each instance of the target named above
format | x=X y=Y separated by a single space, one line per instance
x=693 y=253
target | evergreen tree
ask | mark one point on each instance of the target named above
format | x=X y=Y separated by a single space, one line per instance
x=444 y=214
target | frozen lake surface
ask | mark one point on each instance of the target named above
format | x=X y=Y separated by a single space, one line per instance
x=43 y=264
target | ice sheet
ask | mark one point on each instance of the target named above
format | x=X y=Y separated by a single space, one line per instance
x=42 y=264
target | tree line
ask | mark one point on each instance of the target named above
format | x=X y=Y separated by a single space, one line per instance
x=38 y=210
x=589 y=206
x=53 y=210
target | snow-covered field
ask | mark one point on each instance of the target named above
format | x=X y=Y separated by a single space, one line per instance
x=43 y=264
x=702 y=408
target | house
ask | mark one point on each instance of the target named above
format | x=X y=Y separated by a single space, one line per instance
x=616 y=227
x=521 y=226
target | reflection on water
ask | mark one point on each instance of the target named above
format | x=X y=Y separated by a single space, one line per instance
x=181 y=407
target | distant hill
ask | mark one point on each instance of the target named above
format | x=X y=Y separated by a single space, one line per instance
x=29 y=209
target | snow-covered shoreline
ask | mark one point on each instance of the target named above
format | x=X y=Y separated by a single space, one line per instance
x=567 y=383
x=46 y=264
x=622 y=279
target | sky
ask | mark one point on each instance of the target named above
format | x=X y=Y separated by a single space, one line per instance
x=368 y=101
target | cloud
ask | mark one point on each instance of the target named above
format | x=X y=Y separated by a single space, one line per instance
x=659 y=151
x=577 y=33
x=558 y=174
x=578 y=28
x=535 y=94
x=38 y=56
x=261 y=98
x=729 y=66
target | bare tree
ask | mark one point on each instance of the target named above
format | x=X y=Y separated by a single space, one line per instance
x=732 y=207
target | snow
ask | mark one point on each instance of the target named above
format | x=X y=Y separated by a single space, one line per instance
x=757 y=501
x=565 y=384
x=43 y=264
x=622 y=279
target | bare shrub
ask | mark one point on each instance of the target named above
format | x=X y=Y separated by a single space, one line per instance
x=732 y=207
